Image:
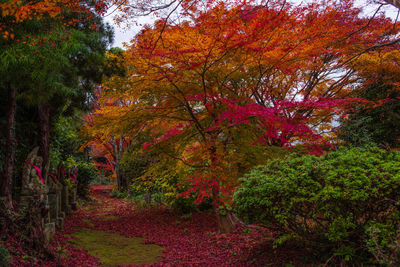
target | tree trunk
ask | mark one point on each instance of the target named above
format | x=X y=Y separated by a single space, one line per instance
x=86 y=153
x=117 y=173
x=8 y=169
x=44 y=131
x=118 y=154
x=226 y=220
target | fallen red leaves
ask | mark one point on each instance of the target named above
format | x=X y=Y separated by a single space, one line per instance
x=192 y=241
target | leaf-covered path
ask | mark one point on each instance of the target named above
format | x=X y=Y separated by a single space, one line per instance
x=105 y=226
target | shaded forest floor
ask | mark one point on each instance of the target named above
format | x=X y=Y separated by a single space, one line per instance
x=114 y=232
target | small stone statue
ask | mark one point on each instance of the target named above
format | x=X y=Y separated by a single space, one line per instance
x=31 y=183
x=34 y=189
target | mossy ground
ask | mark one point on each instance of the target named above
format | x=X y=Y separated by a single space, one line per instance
x=110 y=218
x=114 y=249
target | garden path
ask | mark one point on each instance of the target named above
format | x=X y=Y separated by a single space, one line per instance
x=114 y=232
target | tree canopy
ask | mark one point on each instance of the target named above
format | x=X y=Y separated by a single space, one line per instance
x=234 y=80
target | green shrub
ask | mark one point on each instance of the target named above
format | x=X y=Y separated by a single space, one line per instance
x=122 y=194
x=330 y=204
x=383 y=242
x=185 y=205
x=114 y=193
x=118 y=194
x=86 y=174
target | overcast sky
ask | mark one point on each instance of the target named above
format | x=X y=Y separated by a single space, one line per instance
x=122 y=35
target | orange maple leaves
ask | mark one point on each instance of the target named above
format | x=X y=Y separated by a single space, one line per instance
x=276 y=73
x=17 y=11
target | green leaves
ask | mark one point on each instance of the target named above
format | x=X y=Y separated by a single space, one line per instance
x=325 y=202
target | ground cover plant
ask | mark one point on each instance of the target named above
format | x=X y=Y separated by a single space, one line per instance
x=114 y=249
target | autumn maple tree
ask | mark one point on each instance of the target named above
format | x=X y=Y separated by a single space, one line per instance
x=274 y=75
x=104 y=140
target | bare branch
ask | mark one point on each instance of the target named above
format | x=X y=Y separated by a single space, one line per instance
x=395 y=3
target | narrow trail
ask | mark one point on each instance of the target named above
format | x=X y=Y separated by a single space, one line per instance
x=112 y=232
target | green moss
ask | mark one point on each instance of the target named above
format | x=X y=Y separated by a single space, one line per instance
x=114 y=249
x=110 y=218
x=88 y=222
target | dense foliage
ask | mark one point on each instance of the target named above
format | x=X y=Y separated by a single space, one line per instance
x=64 y=151
x=86 y=174
x=329 y=204
x=234 y=83
x=51 y=59
x=377 y=122
x=50 y=64
x=380 y=124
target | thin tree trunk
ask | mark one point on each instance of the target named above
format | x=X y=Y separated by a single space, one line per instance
x=86 y=153
x=117 y=173
x=116 y=162
x=8 y=169
x=121 y=182
x=44 y=131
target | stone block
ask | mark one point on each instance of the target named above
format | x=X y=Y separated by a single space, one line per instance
x=53 y=203
x=65 y=200
x=24 y=201
x=72 y=199
x=60 y=223
x=49 y=231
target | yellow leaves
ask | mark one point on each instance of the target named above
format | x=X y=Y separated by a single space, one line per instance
x=17 y=11
x=385 y=63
